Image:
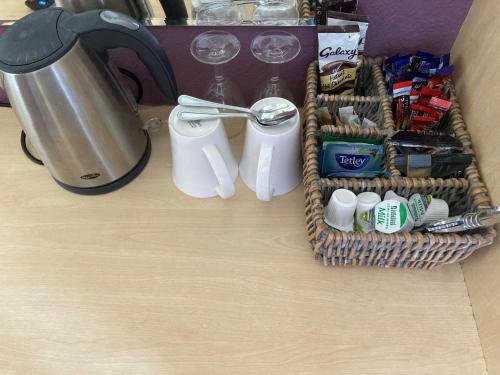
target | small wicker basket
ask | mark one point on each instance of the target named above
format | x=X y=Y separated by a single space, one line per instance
x=304 y=8
x=415 y=249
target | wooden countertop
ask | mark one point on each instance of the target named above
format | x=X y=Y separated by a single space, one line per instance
x=146 y=280
x=13 y=10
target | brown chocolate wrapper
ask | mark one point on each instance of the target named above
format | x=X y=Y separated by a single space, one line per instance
x=338 y=58
x=338 y=77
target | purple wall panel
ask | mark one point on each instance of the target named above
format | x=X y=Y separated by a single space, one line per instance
x=395 y=25
x=245 y=70
x=409 y=25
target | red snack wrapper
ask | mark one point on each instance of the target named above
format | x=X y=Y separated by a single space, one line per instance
x=425 y=119
x=420 y=110
x=430 y=92
x=440 y=104
x=426 y=94
x=401 y=103
x=436 y=83
x=422 y=123
x=441 y=108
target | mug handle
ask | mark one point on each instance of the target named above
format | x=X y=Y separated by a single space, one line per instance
x=263 y=184
x=226 y=187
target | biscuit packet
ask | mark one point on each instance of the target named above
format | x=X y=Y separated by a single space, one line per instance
x=338 y=58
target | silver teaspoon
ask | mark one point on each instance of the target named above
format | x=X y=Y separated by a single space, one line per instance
x=191 y=101
x=266 y=119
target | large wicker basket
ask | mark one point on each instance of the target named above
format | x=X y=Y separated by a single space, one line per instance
x=415 y=249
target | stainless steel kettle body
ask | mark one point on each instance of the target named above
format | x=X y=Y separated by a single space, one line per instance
x=78 y=120
x=74 y=110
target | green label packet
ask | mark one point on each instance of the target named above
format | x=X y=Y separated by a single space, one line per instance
x=418 y=206
x=389 y=216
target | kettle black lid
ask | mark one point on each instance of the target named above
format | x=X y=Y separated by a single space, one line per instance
x=36 y=41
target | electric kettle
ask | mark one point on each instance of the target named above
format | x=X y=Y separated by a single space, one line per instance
x=77 y=116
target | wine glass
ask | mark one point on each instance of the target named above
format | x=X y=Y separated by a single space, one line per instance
x=219 y=13
x=217 y=47
x=276 y=13
x=275 y=47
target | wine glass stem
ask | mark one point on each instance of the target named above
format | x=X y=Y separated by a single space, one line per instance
x=275 y=73
x=219 y=73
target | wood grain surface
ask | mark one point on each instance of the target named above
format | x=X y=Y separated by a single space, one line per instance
x=13 y=9
x=477 y=82
x=146 y=280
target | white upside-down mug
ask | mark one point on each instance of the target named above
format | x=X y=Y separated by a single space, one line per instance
x=203 y=163
x=271 y=164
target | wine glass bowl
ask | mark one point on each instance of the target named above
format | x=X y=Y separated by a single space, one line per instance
x=216 y=48
x=219 y=13
x=275 y=47
x=276 y=13
x=237 y=12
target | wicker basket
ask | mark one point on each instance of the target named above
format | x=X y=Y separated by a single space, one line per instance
x=414 y=250
x=304 y=8
x=407 y=250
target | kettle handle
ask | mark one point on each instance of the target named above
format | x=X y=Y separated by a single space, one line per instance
x=104 y=29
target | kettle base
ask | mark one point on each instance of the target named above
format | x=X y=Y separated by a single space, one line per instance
x=115 y=185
